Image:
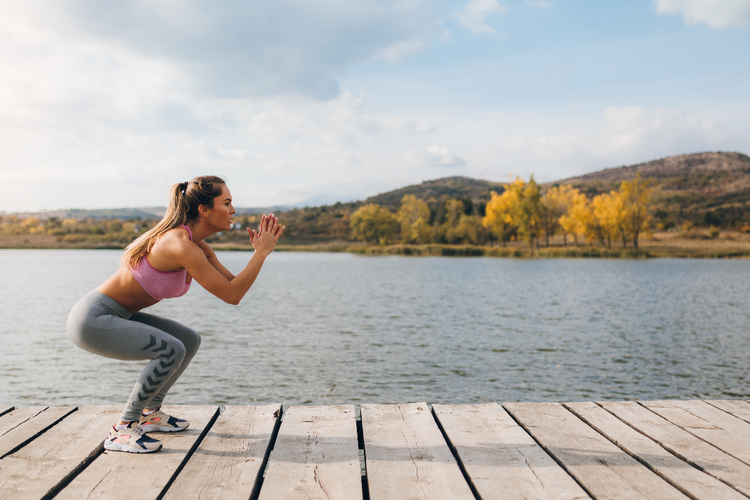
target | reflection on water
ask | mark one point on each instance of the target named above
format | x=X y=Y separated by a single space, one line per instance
x=339 y=328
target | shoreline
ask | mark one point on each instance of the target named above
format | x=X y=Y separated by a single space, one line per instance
x=663 y=245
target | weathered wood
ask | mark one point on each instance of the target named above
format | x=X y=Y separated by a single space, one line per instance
x=599 y=466
x=725 y=431
x=23 y=424
x=407 y=457
x=315 y=455
x=500 y=458
x=143 y=476
x=38 y=467
x=5 y=409
x=686 y=478
x=227 y=463
x=740 y=409
x=683 y=444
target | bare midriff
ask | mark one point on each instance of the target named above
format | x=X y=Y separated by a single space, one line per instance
x=124 y=289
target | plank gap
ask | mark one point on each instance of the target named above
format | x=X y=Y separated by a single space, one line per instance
x=77 y=470
x=549 y=452
x=264 y=465
x=42 y=431
x=190 y=453
x=453 y=450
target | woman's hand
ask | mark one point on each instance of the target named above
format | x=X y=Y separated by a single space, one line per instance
x=265 y=238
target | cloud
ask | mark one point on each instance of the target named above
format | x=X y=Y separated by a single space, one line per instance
x=627 y=135
x=226 y=49
x=434 y=156
x=716 y=13
x=475 y=12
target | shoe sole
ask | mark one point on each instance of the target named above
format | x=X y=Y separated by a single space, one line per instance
x=160 y=428
x=112 y=446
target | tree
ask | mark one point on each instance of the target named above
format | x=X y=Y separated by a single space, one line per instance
x=636 y=196
x=555 y=205
x=498 y=216
x=414 y=217
x=527 y=212
x=373 y=224
x=577 y=219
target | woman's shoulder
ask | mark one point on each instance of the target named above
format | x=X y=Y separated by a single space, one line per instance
x=175 y=238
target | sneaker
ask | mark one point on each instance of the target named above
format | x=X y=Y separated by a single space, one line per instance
x=131 y=439
x=158 y=421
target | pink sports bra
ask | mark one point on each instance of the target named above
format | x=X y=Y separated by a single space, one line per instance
x=161 y=284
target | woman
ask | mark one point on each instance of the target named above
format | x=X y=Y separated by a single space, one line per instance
x=158 y=265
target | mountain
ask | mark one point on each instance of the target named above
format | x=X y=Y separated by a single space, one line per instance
x=714 y=186
x=475 y=190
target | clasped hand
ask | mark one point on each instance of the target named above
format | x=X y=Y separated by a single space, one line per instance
x=265 y=238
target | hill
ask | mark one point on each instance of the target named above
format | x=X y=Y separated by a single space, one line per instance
x=710 y=188
x=476 y=190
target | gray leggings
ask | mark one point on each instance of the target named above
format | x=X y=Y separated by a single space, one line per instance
x=99 y=324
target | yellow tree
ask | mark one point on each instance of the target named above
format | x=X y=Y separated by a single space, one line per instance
x=527 y=212
x=554 y=205
x=577 y=220
x=604 y=222
x=498 y=216
x=414 y=217
x=373 y=224
x=636 y=197
x=571 y=198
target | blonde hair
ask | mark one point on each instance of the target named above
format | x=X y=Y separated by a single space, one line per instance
x=184 y=200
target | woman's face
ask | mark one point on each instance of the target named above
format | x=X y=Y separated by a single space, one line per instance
x=220 y=216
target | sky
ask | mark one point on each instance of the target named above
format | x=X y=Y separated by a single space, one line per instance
x=108 y=104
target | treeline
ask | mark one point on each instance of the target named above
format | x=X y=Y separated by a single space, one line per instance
x=521 y=212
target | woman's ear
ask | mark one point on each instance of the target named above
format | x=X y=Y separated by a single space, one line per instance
x=203 y=210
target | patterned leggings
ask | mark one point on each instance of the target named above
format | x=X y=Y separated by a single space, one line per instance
x=99 y=324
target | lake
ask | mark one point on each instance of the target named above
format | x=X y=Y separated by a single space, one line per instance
x=336 y=328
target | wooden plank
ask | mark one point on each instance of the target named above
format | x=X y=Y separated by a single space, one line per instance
x=740 y=409
x=602 y=468
x=227 y=463
x=407 y=457
x=36 y=469
x=501 y=460
x=5 y=409
x=23 y=424
x=116 y=474
x=725 y=431
x=315 y=455
x=691 y=481
x=683 y=444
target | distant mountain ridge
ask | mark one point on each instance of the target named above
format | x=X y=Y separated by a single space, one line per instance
x=686 y=184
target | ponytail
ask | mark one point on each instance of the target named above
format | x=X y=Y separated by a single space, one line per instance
x=184 y=200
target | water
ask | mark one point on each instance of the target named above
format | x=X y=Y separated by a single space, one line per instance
x=340 y=328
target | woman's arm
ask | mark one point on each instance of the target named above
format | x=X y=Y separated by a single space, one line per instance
x=233 y=290
x=214 y=261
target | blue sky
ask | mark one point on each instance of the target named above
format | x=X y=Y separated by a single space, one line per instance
x=107 y=105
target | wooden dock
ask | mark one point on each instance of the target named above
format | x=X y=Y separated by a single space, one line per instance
x=609 y=450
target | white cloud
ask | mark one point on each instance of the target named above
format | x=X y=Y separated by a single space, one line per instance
x=434 y=156
x=716 y=13
x=475 y=12
x=400 y=50
x=226 y=49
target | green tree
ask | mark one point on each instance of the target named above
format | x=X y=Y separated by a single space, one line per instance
x=374 y=224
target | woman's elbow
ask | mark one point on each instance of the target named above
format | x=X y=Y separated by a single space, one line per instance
x=233 y=301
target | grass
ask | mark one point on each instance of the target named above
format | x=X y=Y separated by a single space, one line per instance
x=693 y=244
